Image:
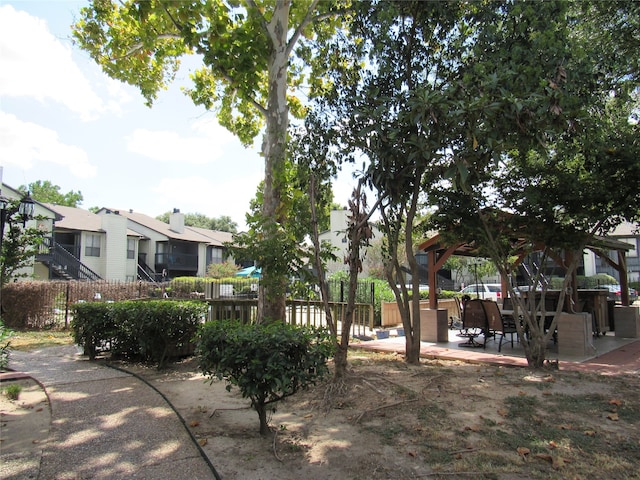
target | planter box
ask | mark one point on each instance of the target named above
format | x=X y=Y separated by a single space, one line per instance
x=575 y=334
x=626 y=321
x=381 y=334
x=391 y=315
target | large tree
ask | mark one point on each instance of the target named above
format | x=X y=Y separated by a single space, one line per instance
x=249 y=69
x=566 y=153
x=47 y=192
x=451 y=96
x=394 y=80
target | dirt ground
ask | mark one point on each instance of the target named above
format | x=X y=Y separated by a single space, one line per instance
x=440 y=419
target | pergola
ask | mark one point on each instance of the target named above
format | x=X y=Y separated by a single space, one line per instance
x=438 y=251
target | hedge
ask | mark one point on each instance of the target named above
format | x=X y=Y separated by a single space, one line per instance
x=153 y=330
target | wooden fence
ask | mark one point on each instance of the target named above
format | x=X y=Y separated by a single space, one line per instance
x=299 y=312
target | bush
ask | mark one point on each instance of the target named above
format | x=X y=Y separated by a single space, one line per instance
x=154 y=330
x=13 y=391
x=266 y=362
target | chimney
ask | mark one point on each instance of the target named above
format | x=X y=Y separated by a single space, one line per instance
x=176 y=221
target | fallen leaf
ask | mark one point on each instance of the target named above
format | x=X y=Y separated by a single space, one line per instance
x=590 y=433
x=523 y=451
x=613 y=417
x=503 y=412
x=615 y=401
x=195 y=423
x=544 y=456
x=547 y=392
x=412 y=454
x=202 y=442
x=549 y=379
x=473 y=428
x=566 y=426
x=553 y=444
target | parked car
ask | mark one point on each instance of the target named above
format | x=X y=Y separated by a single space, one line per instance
x=488 y=291
x=616 y=294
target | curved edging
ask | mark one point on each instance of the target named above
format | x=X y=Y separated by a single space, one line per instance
x=11 y=374
x=184 y=423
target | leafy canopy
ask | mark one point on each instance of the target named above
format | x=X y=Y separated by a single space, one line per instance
x=47 y=192
x=222 y=223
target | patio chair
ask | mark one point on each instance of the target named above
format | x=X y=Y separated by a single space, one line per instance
x=474 y=323
x=499 y=324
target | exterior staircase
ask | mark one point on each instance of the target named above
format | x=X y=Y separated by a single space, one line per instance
x=62 y=264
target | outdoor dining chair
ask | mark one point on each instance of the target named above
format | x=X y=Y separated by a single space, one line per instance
x=499 y=324
x=474 y=323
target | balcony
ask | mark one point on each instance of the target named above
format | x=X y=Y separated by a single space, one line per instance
x=183 y=262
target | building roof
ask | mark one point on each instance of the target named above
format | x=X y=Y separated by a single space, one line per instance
x=190 y=234
x=217 y=238
x=74 y=218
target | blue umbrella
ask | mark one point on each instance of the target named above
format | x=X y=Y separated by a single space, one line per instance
x=252 y=272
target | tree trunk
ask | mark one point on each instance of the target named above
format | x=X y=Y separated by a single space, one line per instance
x=537 y=354
x=412 y=348
x=271 y=302
x=262 y=415
x=340 y=361
x=413 y=344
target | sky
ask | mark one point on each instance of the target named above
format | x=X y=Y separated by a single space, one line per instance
x=63 y=120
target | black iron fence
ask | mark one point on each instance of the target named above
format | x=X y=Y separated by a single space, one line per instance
x=47 y=304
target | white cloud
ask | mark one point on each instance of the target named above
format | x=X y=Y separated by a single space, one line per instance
x=36 y=64
x=168 y=146
x=23 y=144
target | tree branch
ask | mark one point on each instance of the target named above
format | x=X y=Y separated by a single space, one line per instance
x=305 y=21
x=138 y=46
x=252 y=4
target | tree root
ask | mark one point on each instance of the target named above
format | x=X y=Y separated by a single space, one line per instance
x=275 y=451
x=382 y=407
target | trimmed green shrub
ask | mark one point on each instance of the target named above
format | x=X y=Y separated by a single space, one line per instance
x=93 y=326
x=154 y=330
x=266 y=362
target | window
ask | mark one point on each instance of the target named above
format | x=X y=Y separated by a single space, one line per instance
x=92 y=247
x=131 y=248
x=216 y=255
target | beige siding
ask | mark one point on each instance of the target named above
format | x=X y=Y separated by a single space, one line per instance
x=115 y=248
